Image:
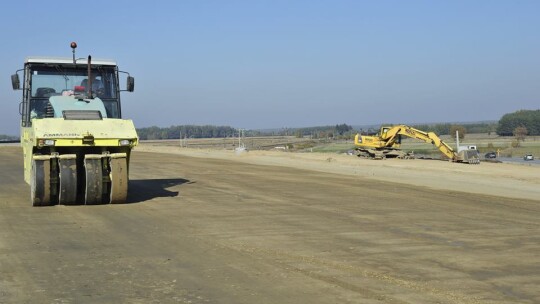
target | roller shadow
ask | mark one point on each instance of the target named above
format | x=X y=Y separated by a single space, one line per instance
x=141 y=190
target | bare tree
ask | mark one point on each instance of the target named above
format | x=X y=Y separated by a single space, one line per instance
x=461 y=129
x=520 y=133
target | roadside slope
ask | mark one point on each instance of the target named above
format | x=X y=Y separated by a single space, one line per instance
x=498 y=179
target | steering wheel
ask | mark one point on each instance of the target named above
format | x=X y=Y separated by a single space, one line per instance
x=100 y=92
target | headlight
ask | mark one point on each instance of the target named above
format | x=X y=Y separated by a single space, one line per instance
x=88 y=139
x=124 y=142
x=46 y=142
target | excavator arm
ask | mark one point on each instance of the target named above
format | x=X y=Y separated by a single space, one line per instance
x=429 y=137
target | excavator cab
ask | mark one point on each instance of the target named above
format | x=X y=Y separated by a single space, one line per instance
x=386 y=135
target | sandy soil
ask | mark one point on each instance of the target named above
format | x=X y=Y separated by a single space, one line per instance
x=498 y=179
x=260 y=228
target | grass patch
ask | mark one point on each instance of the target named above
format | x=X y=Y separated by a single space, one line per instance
x=333 y=148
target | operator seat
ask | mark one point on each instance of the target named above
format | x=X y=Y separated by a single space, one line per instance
x=45 y=92
x=96 y=84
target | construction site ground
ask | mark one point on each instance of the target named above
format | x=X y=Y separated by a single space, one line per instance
x=213 y=226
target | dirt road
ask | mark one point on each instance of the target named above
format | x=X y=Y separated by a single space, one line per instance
x=199 y=230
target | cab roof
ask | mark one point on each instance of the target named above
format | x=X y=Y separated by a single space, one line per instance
x=68 y=60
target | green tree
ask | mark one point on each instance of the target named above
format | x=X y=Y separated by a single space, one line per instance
x=342 y=129
x=527 y=118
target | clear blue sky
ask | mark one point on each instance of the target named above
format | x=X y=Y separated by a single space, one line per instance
x=272 y=64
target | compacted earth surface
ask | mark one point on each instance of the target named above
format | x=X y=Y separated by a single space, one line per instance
x=208 y=226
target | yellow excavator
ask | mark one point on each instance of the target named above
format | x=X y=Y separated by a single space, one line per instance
x=386 y=144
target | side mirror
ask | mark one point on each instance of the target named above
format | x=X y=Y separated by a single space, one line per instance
x=15 y=82
x=130 y=84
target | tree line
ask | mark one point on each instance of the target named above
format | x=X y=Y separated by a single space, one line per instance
x=7 y=137
x=522 y=121
x=208 y=131
x=338 y=131
x=449 y=128
x=186 y=131
x=519 y=123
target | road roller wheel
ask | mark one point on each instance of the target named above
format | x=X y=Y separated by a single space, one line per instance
x=119 y=178
x=40 y=185
x=68 y=179
x=94 y=179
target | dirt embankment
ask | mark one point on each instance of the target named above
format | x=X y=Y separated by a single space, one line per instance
x=498 y=179
x=206 y=229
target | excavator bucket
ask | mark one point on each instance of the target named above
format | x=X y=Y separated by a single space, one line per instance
x=468 y=156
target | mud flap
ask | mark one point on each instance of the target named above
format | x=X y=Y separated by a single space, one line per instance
x=67 y=193
x=94 y=179
x=118 y=175
x=40 y=184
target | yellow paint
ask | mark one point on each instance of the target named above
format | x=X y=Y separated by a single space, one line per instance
x=70 y=133
x=388 y=138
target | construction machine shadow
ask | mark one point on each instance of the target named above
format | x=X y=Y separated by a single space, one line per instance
x=143 y=190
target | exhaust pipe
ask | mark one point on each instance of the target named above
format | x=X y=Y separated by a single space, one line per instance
x=89 y=83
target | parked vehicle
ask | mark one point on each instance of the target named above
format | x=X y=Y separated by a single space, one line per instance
x=491 y=155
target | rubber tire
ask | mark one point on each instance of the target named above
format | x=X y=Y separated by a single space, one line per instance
x=40 y=175
x=94 y=181
x=67 y=192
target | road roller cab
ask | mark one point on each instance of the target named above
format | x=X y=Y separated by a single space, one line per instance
x=75 y=143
